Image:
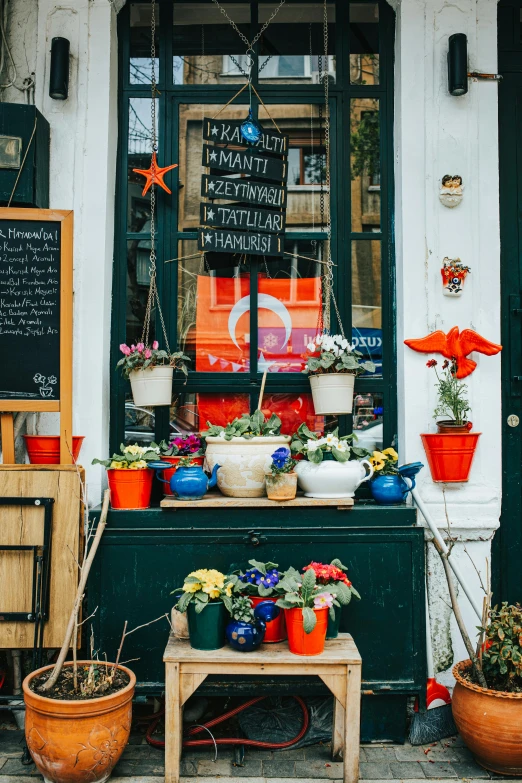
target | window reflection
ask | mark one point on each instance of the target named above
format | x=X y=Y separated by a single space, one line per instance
x=365 y=164
x=138 y=262
x=139 y=155
x=367 y=300
x=368 y=417
x=293 y=409
x=140 y=25
x=364 y=43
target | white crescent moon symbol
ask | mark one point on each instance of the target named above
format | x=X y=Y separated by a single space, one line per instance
x=265 y=301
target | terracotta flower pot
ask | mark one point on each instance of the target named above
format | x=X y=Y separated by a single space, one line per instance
x=301 y=643
x=450 y=455
x=275 y=629
x=169 y=472
x=130 y=489
x=45 y=449
x=281 y=486
x=490 y=723
x=77 y=741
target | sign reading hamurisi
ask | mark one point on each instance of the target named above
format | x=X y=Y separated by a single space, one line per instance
x=255 y=223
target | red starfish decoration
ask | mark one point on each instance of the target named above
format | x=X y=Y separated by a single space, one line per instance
x=154 y=175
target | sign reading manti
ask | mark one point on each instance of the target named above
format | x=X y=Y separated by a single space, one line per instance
x=245 y=162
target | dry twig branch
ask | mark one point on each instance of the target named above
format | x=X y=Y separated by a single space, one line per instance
x=128 y=633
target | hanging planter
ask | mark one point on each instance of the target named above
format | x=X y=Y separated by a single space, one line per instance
x=333 y=365
x=150 y=372
x=152 y=387
x=129 y=477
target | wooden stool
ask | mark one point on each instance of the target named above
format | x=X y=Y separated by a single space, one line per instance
x=339 y=667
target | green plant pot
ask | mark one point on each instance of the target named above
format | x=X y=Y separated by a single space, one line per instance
x=207 y=629
x=332 y=632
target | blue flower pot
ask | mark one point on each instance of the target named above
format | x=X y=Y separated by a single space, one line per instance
x=389 y=490
x=246 y=637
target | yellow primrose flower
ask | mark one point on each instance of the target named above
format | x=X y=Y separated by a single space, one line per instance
x=118 y=465
x=212 y=591
x=391 y=453
x=140 y=464
x=229 y=589
x=200 y=574
x=191 y=587
x=132 y=450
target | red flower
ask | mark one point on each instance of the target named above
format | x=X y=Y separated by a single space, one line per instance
x=431 y=363
x=327 y=574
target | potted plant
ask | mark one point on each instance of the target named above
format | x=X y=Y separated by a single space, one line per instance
x=281 y=480
x=489 y=719
x=387 y=485
x=333 y=577
x=306 y=606
x=129 y=476
x=180 y=446
x=261 y=583
x=246 y=631
x=206 y=598
x=243 y=449
x=327 y=470
x=333 y=365
x=150 y=372
x=450 y=452
x=45 y=449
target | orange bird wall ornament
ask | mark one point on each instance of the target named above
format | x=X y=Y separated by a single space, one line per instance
x=456 y=345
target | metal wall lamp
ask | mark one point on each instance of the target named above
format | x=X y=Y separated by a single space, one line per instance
x=59 y=78
x=458 y=73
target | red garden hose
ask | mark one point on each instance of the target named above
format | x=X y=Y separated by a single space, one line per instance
x=156 y=743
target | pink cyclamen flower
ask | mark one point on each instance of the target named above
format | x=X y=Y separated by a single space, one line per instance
x=148 y=353
x=323 y=601
x=133 y=348
x=140 y=347
x=155 y=345
x=125 y=349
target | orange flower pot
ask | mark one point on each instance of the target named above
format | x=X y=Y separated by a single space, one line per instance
x=450 y=455
x=45 y=449
x=275 y=629
x=301 y=643
x=77 y=741
x=130 y=489
x=169 y=472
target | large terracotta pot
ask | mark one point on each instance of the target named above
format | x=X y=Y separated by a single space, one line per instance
x=243 y=463
x=77 y=741
x=490 y=723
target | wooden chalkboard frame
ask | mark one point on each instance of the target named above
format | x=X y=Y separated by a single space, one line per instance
x=64 y=405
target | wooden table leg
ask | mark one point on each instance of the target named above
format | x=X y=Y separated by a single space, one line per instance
x=173 y=723
x=338 y=730
x=352 y=720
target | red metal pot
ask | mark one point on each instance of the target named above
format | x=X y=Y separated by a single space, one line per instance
x=301 y=643
x=130 y=489
x=169 y=472
x=275 y=629
x=450 y=455
x=45 y=449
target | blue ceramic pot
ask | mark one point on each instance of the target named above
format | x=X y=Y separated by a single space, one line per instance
x=388 y=490
x=246 y=637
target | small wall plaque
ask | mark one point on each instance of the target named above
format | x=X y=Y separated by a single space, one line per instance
x=10 y=152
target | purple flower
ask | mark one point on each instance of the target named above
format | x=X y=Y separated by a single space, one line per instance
x=280 y=456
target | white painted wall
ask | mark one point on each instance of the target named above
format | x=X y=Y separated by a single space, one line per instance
x=435 y=134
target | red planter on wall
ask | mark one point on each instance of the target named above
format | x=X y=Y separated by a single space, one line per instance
x=450 y=455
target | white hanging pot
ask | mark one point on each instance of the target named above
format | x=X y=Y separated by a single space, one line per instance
x=330 y=478
x=152 y=386
x=332 y=393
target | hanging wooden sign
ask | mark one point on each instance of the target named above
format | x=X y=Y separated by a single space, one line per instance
x=249 y=191
x=228 y=132
x=254 y=244
x=236 y=216
x=245 y=162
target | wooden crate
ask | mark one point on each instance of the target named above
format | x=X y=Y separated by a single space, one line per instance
x=24 y=525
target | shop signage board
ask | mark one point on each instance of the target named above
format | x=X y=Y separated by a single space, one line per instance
x=228 y=132
x=247 y=161
x=249 y=191
x=254 y=244
x=237 y=216
x=36 y=270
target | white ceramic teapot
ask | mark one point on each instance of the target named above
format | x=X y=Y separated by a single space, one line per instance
x=332 y=479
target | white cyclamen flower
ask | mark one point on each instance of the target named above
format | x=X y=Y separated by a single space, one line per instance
x=342 y=445
x=331 y=440
x=222 y=434
x=311 y=347
x=312 y=445
x=319 y=339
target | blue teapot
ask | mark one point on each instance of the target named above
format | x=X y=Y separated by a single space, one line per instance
x=246 y=637
x=392 y=489
x=187 y=483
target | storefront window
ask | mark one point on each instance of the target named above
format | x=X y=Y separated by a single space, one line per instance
x=237 y=316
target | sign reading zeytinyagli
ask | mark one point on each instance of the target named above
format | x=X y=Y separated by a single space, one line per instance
x=228 y=132
x=248 y=191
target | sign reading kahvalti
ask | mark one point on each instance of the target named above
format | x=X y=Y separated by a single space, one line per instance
x=253 y=176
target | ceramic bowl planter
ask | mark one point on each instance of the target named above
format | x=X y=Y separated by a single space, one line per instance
x=450 y=455
x=301 y=643
x=130 y=489
x=388 y=489
x=78 y=741
x=207 y=628
x=45 y=449
x=244 y=463
x=332 y=393
x=330 y=478
x=281 y=486
x=489 y=722
x=152 y=386
x=246 y=637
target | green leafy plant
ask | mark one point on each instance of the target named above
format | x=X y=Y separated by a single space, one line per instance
x=333 y=353
x=262 y=579
x=314 y=447
x=451 y=392
x=302 y=591
x=141 y=357
x=132 y=457
x=242 y=609
x=247 y=426
x=502 y=648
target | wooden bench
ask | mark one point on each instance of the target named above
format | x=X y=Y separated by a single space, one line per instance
x=339 y=667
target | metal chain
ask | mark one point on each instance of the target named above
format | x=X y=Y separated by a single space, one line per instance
x=250 y=44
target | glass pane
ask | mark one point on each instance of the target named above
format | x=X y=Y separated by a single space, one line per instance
x=367 y=300
x=140 y=65
x=292 y=47
x=293 y=409
x=138 y=262
x=368 y=414
x=206 y=47
x=213 y=310
x=307 y=194
x=365 y=164
x=220 y=409
x=289 y=306
x=364 y=43
x=139 y=423
x=139 y=157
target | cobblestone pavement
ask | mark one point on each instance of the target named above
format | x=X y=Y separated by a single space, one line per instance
x=141 y=763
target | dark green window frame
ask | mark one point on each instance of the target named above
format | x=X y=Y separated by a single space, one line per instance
x=341 y=93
